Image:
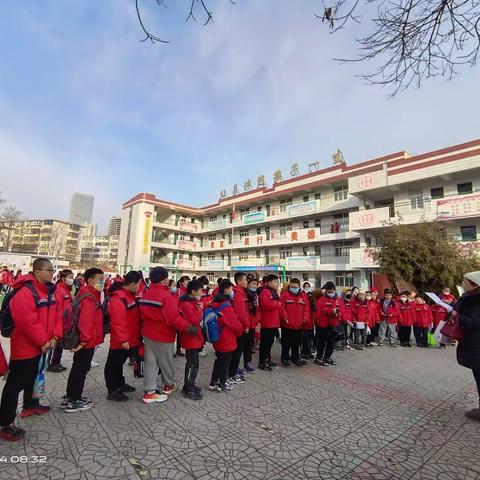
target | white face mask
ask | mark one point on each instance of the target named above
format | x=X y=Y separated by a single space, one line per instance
x=69 y=282
x=331 y=295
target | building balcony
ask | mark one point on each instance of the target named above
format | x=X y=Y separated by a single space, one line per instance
x=442 y=209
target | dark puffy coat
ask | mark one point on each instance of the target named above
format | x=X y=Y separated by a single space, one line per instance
x=468 y=309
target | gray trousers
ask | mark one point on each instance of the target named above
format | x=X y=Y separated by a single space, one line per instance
x=157 y=355
x=390 y=329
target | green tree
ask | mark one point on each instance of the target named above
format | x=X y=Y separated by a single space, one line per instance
x=424 y=254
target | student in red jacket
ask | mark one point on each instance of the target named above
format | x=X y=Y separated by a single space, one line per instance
x=64 y=309
x=423 y=321
x=161 y=320
x=90 y=327
x=191 y=309
x=390 y=317
x=230 y=328
x=3 y=362
x=4 y=273
x=269 y=301
x=240 y=304
x=348 y=309
x=328 y=314
x=406 y=321
x=206 y=297
x=124 y=334
x=362 y=318
x=295 y=314
x=32 y=336
x=254 y=317
x=307 y=336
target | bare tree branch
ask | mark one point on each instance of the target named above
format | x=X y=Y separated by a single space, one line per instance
x=148 y=35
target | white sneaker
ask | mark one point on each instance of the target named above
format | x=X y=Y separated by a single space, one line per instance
x=94 y=364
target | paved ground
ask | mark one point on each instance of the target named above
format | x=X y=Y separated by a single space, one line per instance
x=380 y=414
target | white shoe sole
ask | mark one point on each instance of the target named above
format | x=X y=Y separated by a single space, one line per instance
x=87 y=407
x=155 y=401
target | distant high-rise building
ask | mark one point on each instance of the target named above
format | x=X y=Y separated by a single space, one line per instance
x=114 y=226
x=81 y=209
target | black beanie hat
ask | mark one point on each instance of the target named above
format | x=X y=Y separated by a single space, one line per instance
x=387 y=290
x=329 y=286
x=158 y=274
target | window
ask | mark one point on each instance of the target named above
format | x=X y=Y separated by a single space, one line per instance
x=464 y=188
x=344 y=279
x=244 y=232
x=342 y=249
x=259 y=231
x=244 y=211
x=200 y=260
x=285 y=227
x=243 y=254
x=436 y=192
x=284 y=204
x=305 y=277
x=212 y=237
x=267 y=257
x=306 y=198
x=211 y=256
x=257 y=253
x=340 y=193
x=318 y=196
x=318 y=223
x=468 y=233
x=190 y=256
x=267 y=208
x=305 y=251
x=416 y=199
x=317 y=250
x=259 y=209
x=191 y=238
x=285 y=252
x=213 y=219
x=306 y=224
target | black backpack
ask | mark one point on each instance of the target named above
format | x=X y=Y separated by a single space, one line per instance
x=6 y=320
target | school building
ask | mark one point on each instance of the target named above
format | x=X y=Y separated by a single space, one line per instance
x=317 y=226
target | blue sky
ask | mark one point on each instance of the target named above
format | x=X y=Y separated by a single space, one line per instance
x=84 y=106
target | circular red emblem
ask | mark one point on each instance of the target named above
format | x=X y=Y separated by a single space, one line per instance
x=367 y=219
x=367 y=258
x=148 y=214
x=366 y=181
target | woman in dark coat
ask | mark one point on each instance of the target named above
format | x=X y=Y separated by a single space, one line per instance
x=468 y=350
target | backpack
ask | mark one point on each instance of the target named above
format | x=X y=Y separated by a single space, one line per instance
x=71 y=335
x=210 y=327
x=6 y=320
x=107 y=328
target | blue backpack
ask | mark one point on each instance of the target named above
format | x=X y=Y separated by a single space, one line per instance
x=210 y=327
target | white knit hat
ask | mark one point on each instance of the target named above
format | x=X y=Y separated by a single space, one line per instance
x=474 y=277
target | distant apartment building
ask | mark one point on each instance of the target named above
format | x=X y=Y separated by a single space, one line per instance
x=98 y=250
x=81 y=209
x=114 y=226
x=317 y=226
x=53 y=238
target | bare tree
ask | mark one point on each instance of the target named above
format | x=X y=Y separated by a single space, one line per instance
x=8 y=218
x=58 y=240
x=409 y=40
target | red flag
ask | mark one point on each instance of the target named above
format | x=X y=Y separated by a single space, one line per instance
x=234 y=215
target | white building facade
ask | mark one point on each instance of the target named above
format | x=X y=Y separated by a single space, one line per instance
x=316 y=226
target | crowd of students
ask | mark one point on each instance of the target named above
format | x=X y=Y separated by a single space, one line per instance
x=146 y=318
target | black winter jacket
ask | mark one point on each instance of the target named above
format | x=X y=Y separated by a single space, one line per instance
x=468 y=309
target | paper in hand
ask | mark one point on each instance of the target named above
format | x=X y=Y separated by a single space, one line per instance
x=437 y=300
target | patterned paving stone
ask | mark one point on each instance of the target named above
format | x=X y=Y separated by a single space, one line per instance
x=379 y=414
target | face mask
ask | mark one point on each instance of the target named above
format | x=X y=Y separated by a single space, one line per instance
x=294 y=290
x=231 y=294
x=307 y=289
x=99 y=285
x=368 y=298
x=331 y=295
x=403 y=299
x=252 y=289
x=205 y=287
x=173 y=289
x=69 y=282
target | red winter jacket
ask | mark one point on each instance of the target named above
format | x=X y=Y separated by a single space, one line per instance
x=329 y=311
x=206 y=299
x=269 y=303
x=392 y=313
x=3 y=362
x=124 y=319
x=407 y=314
x=376 y=312
x=230 y=326
x=240 y=304
x=35 y=325
x=64 y=306
x=295 y=310
x=4 y=275
x=159 y=314
x=90 y=317
x=423 y=315
x=141 y=289
x=192 y=311
x=347 y=310
x=362 y=312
